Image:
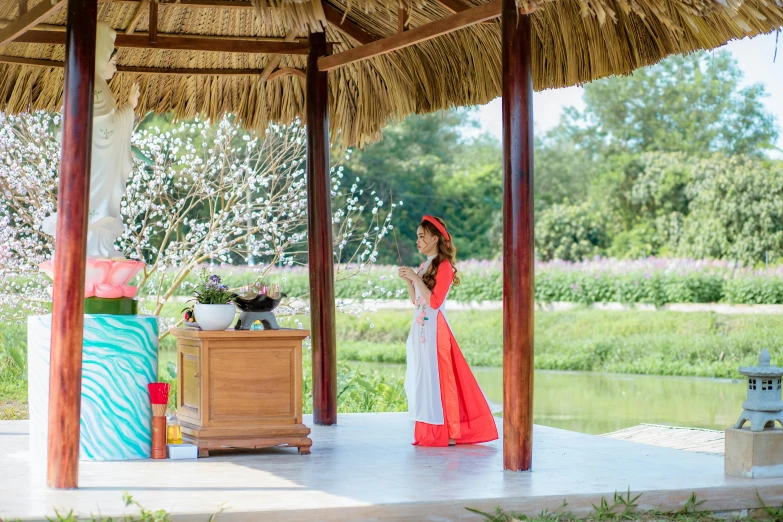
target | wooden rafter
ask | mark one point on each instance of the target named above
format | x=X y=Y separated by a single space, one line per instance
x=274 y=61
x=220 y=4
x=131 y=28
x=30 y=61
x=413 y=36
x=333 y=15
x=22 y=7
x=341 y=22
x=181 y=43
x=153 y=23
x=402 y=18
x=279 y=73
x=455 y=6
x=29 y=19
x=61 y=29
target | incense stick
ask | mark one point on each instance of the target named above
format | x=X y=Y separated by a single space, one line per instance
x=399 y=257
x=394 y=233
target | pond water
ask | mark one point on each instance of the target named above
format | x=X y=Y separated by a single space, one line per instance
x=597 y=403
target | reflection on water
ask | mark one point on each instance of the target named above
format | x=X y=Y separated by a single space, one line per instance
x=602 y=402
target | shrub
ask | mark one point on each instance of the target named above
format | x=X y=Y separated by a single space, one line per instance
x=651 y=281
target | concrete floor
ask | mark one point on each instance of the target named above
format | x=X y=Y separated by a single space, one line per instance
x=366 y=469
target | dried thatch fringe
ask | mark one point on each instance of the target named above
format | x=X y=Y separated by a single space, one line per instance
x=574 y=41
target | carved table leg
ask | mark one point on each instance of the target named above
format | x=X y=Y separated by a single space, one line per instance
x=304 y=446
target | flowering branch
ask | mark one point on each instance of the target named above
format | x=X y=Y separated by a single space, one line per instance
x=198 y=194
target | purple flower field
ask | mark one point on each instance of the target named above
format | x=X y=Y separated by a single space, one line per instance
x=653 y=280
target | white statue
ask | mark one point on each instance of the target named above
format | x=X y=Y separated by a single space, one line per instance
x=112 y=159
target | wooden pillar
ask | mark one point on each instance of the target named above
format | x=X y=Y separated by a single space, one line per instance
x=65 y=372
x=319 y=228
x=518 y=253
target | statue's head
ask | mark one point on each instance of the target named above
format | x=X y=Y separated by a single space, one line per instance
x=111 y=67
x=105 y=53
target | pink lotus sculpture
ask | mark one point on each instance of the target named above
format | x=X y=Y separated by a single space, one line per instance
x=106 y=278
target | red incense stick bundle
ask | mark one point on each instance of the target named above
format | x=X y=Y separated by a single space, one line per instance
x=159 y=397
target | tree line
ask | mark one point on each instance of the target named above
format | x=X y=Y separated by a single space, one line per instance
x=677 y=159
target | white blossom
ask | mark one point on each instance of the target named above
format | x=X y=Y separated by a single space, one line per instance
x=198 y=194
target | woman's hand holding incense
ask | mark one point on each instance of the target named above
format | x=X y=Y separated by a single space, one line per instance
x=407 y=273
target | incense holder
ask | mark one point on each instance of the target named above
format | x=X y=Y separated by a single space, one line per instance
x=259 y=309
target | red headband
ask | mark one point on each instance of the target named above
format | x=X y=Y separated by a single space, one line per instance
x=437 y=225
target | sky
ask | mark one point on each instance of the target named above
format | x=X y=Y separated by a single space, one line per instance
x=755 y=57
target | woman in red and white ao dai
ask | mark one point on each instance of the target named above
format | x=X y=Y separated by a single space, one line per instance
x=443 y=396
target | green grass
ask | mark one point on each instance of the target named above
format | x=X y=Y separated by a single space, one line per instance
x=622 y=507
x=13 y=378
x=657 y=343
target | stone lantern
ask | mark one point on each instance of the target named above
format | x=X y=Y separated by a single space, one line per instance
x=763 y=406
x=758 y=452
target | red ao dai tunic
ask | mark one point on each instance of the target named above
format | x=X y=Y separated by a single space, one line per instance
x=443 y=396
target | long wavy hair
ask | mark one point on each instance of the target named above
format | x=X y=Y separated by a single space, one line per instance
x=446 y=252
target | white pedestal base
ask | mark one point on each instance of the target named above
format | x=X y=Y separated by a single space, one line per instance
x=120 y=358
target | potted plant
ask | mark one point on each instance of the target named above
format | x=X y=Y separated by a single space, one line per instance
x=213 y=309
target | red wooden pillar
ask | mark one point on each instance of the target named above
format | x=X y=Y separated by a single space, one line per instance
x=518 y=253
x=65 y=372
x=319 y=228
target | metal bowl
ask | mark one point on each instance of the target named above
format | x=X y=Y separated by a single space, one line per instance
x=259 y=303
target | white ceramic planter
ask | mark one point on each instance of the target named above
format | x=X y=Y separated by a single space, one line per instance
x=214 y=316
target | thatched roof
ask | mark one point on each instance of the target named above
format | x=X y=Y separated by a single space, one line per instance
x=574 y=41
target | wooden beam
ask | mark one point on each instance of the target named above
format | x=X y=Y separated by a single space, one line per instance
x=18 y=60
x=153 y=23
x=4 y=22
x=279 y=73
x=214 y=4
x=518 y=238
x=136 y=16
x=339 y=21
x=274 y=61
x=32 y=17
x=455 y=6
x=413 y=36
x=73 y=198
x=319 y=238
x=22 y=7
x=181 y=43
x=402 y=18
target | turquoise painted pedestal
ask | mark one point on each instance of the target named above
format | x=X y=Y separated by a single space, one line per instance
x=120 y=358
